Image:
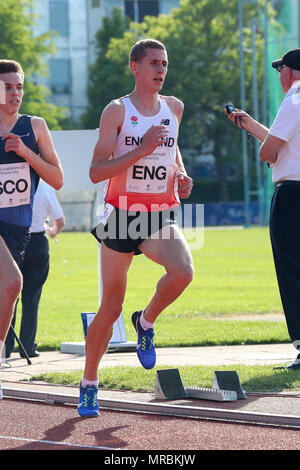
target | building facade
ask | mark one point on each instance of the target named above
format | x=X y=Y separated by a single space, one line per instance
x=75 y=23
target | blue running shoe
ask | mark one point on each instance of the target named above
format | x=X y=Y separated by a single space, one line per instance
x=88 y=401
x=145 y=348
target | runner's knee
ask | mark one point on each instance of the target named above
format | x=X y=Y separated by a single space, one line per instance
x=113 y=308
x=184 y=275
x=13 y=285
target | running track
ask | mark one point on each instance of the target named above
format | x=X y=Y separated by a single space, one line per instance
x=29 y=425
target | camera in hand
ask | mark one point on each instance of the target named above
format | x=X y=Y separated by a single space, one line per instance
x=229 y=108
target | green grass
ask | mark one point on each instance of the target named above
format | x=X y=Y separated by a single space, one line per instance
x=234 y=280
x=253 y=378
x=234 y=276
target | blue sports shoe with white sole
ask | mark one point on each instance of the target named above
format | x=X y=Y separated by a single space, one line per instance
x=145 y=348
x=88 y=401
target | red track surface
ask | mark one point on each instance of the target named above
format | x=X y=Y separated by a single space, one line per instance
x=27 y=425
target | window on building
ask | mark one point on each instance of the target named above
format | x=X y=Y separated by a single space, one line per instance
x=60 y=76
x=148 y=7
x=129 y=9
x=137 y=9
x=59 y=16
x=95 y=3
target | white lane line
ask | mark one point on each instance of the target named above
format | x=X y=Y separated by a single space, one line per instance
x=68 y=444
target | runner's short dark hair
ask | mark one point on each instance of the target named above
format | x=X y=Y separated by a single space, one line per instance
x=7 y=66
x=139 y=50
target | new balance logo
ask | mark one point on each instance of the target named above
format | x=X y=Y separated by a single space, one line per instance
x=165 y=122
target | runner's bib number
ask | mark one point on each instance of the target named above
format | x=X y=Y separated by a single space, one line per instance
x=148 y=175
x=15 y=184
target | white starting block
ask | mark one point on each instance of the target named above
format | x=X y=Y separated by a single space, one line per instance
x=210 y=394
x=168 y=386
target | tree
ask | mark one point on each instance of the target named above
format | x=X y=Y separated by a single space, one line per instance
x=108 y=77
x=202 y=39
x=205 y=72
x=18 y=42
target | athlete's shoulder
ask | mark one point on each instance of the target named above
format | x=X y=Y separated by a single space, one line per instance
x=39 y=126
x=115 y=105
x=31 y=118
x=114 y=109
x=38 y=121
x=113 y=114
x=175 y=104
x=172 y=100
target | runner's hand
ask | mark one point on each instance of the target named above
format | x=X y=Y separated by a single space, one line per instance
x=153 y=138
x=14 y=143
x=185 y=185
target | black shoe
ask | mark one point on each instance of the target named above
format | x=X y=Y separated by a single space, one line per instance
x=32 y=354
x=8 y=352
x=293 y=366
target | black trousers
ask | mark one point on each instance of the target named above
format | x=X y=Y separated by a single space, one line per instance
x=35 y=269
x=285 y=239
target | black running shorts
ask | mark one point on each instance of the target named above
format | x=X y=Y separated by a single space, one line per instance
x=16 y=239
x=124 y=231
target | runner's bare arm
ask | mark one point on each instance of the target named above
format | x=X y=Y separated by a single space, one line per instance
x=47 y=165
x=103 y=166
x=176 y=106
x=185 y=182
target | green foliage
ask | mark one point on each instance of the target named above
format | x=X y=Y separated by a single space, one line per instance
x=109 y=77
x=36 y=102
x=18 y=42
x=202 y=39
x=205 y=190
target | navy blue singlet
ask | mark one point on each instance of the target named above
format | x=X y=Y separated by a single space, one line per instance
x=15 y=221
x=20 y=215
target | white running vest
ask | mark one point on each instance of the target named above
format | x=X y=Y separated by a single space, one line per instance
x=151 y=183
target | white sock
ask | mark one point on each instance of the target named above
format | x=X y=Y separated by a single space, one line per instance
x=86 y=382
x=144 y=323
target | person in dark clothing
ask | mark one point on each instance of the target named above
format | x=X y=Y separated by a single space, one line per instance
x=26 y=154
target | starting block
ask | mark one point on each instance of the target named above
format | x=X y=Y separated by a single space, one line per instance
x=229 y=380
x=169 y=386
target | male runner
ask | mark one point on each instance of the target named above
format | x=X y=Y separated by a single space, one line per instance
x=26 y=153
x=138 y=155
